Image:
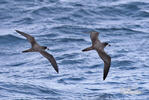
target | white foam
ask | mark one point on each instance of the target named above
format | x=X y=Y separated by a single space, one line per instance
x=130 y=91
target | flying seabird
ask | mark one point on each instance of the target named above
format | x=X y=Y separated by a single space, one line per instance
x=99 y=47
x=35 y=47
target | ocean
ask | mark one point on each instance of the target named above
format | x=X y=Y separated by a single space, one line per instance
x=61 y=26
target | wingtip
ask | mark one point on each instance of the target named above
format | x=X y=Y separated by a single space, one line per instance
x=17 y=31
x=83 y=50
x=57 y=71
x=104 y=78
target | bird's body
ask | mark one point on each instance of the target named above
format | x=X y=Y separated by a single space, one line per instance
x=35 y=47
x=99 y=47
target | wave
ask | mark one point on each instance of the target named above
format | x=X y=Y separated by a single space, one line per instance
x=60 y=25
x=27 y=89
x=9 y=39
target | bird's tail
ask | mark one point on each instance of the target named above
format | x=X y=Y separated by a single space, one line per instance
x=88 y=49
x=28 y=50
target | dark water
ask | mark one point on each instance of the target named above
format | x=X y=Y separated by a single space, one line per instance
x=60 y=25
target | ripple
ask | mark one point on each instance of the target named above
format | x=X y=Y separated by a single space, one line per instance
x=28 y=89
x=70 y=80
x=9 y=39
x=65 y=62
x=123 y=63
x=42 y=11
x=70 y=40
x=26 y=20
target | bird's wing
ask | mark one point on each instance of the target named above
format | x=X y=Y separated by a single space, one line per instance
x=29 y=37
x=51 y=59
x=107 y=62
x=94 y=36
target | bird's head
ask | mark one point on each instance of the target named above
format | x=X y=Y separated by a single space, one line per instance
x=45 y=48
x=106 y=44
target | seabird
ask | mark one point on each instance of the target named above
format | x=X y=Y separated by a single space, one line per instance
x=99 y=47
x=35 y=47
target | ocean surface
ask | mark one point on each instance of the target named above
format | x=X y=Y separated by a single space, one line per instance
x=61 y=25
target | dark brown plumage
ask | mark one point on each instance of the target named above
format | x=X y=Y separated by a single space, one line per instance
x=35 y=47
x=99 y=47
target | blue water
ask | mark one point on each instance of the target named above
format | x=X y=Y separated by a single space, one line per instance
x=61 y=25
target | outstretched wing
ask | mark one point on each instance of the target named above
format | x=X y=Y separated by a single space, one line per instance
x=107 y=62
x=94 y=36
x=29 y=37
x=51 y=59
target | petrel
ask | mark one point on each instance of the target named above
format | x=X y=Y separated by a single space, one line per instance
x=35 y=47
x=99 y=47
